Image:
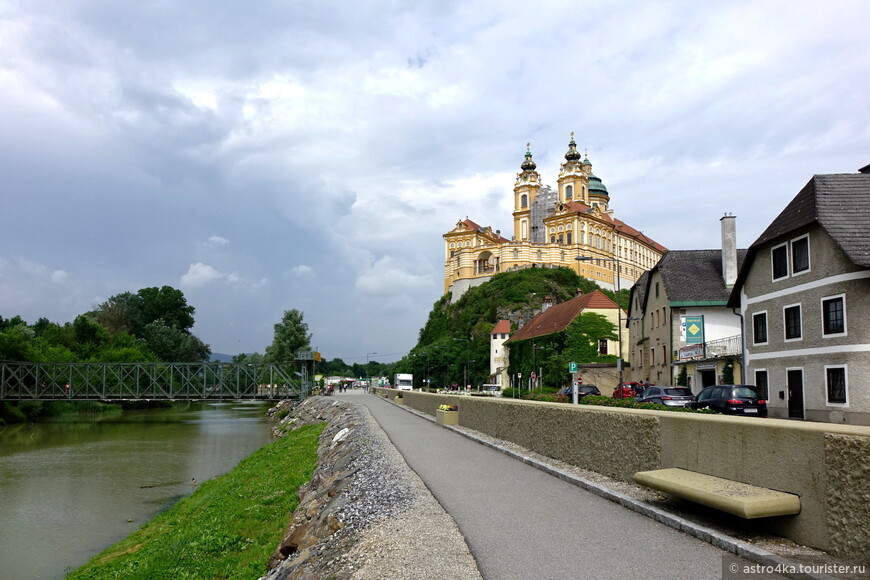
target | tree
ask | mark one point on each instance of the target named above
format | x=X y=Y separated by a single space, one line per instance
x=174 y=345
x=167 y=304
x=683 y=377
x=128 y=312
x=291 y=335
x=583 y=334
x=248 y=358
x=728 y=373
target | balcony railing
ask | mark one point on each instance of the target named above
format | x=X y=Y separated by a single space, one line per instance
x=730 y=346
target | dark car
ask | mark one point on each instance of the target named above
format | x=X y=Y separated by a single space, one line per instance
x=731 y=400
x=582 y=391
x=670 y=396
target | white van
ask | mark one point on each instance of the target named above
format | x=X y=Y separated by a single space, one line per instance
x=404 y=382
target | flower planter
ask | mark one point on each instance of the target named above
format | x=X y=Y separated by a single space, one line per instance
x=446 y=417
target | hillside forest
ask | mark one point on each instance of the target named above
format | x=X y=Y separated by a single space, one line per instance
x=453 y=345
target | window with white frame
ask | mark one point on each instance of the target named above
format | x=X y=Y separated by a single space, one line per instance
x=834 y=315
x=759 y=328
x=800 y=255
x=761 y=383
x=779 y=261
x=836 y=385
x=791 y=258
x=792 y=322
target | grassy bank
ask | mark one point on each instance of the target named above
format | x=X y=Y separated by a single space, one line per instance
x=227 y=529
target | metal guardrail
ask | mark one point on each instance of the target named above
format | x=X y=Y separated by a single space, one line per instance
x=150 y=381
x=723 y=347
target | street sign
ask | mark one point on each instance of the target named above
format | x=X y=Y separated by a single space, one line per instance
x=572 y=367
x=534 y=375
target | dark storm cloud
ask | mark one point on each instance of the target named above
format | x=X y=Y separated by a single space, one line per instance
x=274 y=155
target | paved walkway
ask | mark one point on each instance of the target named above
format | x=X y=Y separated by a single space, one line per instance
x=521 y=523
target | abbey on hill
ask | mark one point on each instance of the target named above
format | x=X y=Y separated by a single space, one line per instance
x=552 y=228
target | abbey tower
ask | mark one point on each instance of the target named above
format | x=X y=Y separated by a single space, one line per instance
x=551 y=229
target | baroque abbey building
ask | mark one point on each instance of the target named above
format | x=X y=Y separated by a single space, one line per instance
x=552 y=229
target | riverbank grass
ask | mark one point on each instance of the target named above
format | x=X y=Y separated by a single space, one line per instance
x=227 y=529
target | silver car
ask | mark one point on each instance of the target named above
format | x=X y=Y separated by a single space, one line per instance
x=668 y=396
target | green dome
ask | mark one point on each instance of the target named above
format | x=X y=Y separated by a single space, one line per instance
x=596 y=187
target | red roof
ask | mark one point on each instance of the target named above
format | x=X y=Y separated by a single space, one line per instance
x=503 y=327
x=558 y=317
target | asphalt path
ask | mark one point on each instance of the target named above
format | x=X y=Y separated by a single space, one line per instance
x=521 y=523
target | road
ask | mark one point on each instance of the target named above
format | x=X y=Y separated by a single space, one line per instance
x=521 y=523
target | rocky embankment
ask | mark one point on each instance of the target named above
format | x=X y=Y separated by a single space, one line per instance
x=365 y=514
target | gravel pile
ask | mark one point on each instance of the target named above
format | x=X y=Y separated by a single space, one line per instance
x=392 y=527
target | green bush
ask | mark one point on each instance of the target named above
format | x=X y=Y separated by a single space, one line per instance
x=546 y=397
x=10 y=413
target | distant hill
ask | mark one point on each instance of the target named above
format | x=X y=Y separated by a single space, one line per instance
x=221 y=357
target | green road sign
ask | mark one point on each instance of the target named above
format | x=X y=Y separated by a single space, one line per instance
x=572 y=367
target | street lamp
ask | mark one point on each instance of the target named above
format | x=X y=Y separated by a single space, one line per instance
x=428 y=366
x=539 y=378
x=367 y=366
x=467 y=357
x=618 y=273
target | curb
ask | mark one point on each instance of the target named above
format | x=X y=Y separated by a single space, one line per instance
x=718 y=539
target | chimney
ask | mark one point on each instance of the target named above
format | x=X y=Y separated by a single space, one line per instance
x=546 y=303
x=729 y=249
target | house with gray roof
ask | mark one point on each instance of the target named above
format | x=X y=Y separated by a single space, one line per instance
x=804 y=294
x=679 y=319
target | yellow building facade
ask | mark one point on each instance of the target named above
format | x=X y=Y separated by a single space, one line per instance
x=552 y=228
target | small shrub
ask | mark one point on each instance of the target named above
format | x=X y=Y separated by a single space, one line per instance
x=546 y=397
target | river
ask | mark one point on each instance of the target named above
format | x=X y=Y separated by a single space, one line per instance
x=72 y=487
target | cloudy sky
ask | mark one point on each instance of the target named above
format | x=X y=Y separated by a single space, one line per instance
x=309 y=154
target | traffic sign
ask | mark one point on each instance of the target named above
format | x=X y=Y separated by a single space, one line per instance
x=534 y=375
x=572 y=367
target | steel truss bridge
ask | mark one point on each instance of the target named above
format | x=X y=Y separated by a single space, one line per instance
x=151 y=381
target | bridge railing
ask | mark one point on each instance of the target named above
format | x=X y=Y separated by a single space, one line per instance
x=146 y=381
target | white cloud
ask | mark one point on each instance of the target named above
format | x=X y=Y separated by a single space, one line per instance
x=359 y=134
x=199 y=274
x=302 y=271
x=387 y=278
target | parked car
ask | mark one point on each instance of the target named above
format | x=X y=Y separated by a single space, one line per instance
x=625 y=391
x=670 y=396
x=731 y=400
x=582 y=391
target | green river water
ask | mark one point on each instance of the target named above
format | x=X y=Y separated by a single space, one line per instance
x=72 y=487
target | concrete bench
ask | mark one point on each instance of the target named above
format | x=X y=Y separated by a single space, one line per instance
x=740 y=499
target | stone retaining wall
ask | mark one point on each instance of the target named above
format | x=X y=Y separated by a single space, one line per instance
x=827 y=465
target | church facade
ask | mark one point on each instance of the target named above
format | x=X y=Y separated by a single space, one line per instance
x=552 y=228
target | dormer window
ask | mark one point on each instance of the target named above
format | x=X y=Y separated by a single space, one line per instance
x=800 y=255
